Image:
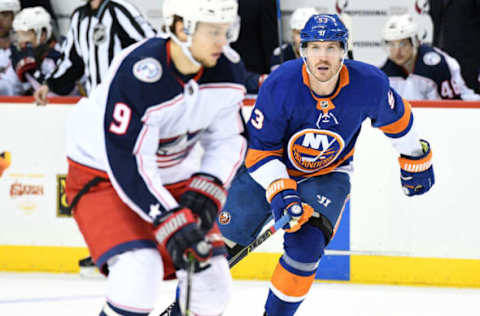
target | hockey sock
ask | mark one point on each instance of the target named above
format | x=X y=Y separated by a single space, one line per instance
x=288 y=289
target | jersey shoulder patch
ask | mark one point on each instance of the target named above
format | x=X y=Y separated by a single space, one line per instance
x=148 y=70
x=431 y=58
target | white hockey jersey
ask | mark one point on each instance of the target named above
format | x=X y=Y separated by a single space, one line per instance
x=9 y=82
x=141 y=125
x=436 y=76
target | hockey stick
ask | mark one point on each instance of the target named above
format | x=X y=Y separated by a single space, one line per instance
x=191 y=268
x=260 y=240
x=244 y=251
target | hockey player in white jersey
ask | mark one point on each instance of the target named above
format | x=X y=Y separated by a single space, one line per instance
x=9 y=83
x=35 y=52
x=418 y=71
x=143 y=199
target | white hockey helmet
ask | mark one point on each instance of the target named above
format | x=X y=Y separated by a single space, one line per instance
x=10 y=5
x=193 y=11
x=300 y=16
x=36 y=19
x=399 y=27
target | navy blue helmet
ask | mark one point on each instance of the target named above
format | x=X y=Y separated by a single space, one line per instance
x=324 y=27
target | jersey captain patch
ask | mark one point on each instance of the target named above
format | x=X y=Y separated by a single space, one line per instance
x=148 y=70
x=310 y=150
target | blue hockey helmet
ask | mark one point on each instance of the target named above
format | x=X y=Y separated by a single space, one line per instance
x=324 y=27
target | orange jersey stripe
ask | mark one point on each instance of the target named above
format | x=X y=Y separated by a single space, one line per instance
x=296 y=173
x=291 y=284
x=254 y=156
x=401 y=124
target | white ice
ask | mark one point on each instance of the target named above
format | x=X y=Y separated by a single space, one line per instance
x=25 y=294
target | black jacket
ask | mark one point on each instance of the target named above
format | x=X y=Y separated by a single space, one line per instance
x=456 y=25
x=258 y=34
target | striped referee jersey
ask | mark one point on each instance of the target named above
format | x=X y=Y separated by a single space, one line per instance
x=93 y=40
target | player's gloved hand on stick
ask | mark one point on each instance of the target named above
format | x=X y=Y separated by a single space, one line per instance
x=417 y=172
x=23 y=61
x=179 y=232
x=283 y=197
x=205 y=196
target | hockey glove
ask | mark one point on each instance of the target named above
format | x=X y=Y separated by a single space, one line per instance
x=283 y=197
x=205 y=196
x=24 y=61
x=417 y=172
x=180 y=234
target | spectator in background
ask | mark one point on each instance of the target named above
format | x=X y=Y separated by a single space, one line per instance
x=9 y=83
x=46 y=4
x=290 y=51
x=98 y=31
x=286 y=52
x=417 y=71
x=258 y=34
x=35 y=52
x=456 y=26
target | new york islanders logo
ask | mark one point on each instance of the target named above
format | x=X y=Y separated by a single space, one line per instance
x=310 y=150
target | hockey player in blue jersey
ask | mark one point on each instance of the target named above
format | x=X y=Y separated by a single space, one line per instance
x=302 y=132
x=151 y=152
x=419 y=71
x=289 y=51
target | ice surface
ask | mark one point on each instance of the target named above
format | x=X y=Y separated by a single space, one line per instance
x=25 y=294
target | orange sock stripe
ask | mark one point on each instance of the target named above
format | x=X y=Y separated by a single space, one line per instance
x=291 y=284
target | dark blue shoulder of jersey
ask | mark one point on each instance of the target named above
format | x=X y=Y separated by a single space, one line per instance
x=386 y=109
x=53 y=54
x=282 y=54
x=433 y=65
x=141 y=81
x=224 y=71
x=393 y=70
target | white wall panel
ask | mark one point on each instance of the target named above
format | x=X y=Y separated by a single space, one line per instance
x=442 y=223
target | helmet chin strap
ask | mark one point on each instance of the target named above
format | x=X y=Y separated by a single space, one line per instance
x=185 y=47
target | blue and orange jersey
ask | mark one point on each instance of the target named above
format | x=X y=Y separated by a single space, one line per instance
x=312 y=134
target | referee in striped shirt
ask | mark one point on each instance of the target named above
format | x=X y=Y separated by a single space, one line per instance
x=98 y=31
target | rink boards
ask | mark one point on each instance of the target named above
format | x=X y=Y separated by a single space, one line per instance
x=384 y=236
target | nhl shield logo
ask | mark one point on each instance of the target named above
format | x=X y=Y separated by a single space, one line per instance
x=99 y=34
x=224 y=218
